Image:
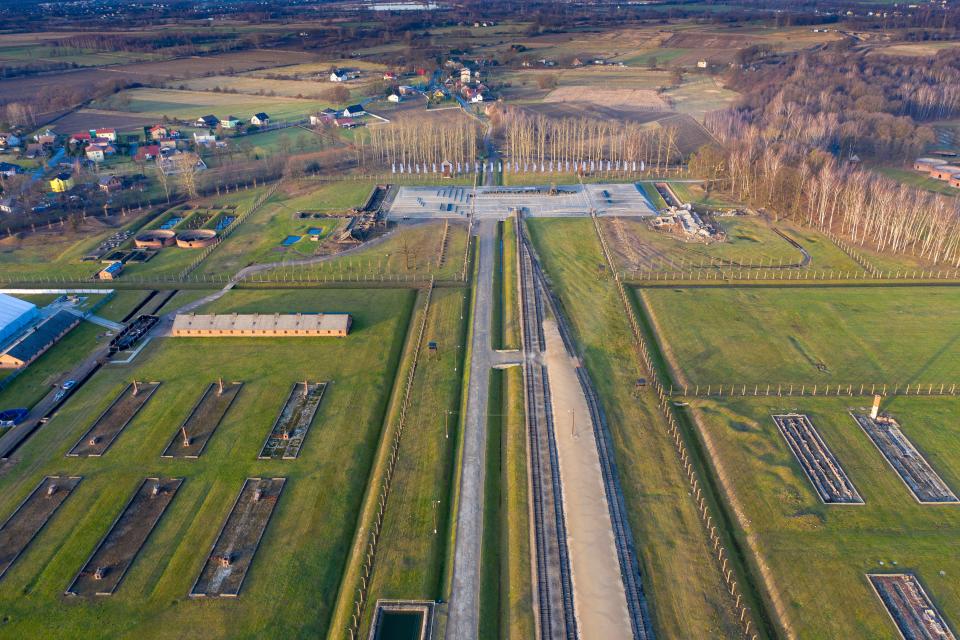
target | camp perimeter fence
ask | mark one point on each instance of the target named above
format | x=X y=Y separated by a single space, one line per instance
x=722 y=274
x=704 y=508
x=788 y=390
x=380 y=507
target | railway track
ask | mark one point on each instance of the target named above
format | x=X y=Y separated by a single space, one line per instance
x=535 y=294
x=556 y=618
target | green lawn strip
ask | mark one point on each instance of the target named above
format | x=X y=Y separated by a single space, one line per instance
x=493 y=550
x=800 y=540
x=121 y=303
x=511 y=309
x=469 y=305
x=811 y=335
x=34 y=382
x=650 y=191
x=681 y=580
x=496 y=318
x=412 y=548
x=516 y=585
x=350 y=582
x=298 y=566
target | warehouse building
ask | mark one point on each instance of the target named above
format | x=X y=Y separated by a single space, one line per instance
x=35 y=342
x=15 y=316
x=260 y=325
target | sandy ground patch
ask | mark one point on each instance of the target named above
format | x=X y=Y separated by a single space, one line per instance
x=598 y=596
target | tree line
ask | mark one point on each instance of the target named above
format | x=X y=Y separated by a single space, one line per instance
x=533 y=138
x=411 y=142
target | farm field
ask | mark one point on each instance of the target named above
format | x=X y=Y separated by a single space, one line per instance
x=679 y=575
x=296 y=572
x=190 y=105
x=800 y=541
x=810 y=335
x=237 y=61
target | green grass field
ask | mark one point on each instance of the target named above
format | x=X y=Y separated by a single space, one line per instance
x=295 y=575
x=511 y=304
x=681 y=580
x=413 y=553
x=815 y=555
x=916 y=179
x=190 y=105
x=814 y=335
x=55 y=254
x=506 y=589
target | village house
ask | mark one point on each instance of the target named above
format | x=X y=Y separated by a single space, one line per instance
x=230 y=122
x=61 y=183
x=353 y=111
x=7 y=205
x=109 y=184
x=97 y=151
x=105 y=134
x=406 y=90
x=393 y=97
x=208 y=121
x=83 y=136
x=203 y=138
x=147 y=152
x=160 y=131
x=465 y=75
x=260 y=119
x=338 y=76
x=346 y=123
x=9 y=139
x=327 y=116
x=47 y=139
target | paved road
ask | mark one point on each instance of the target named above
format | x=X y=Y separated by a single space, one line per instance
x=465 y=597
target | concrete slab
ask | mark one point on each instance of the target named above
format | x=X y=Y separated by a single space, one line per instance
x=540 y=201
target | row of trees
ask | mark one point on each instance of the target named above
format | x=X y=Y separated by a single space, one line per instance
x=535 y=138
x=410 y=141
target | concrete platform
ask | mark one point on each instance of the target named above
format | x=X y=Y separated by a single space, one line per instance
x=458 y=202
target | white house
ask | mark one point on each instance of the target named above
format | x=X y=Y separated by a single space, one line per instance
x=353 y=111
x=465 y=75
x=338 y=76
x=393 y=97
x=260 y=119
x=204 y=138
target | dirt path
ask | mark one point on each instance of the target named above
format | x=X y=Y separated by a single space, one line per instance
x=599 y=599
